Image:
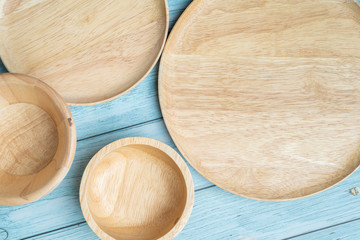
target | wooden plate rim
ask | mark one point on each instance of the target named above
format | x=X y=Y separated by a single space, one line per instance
x=177 y=27
x=166 y=29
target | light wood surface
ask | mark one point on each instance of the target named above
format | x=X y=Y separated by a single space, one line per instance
x=136 y=188
x=37 y=139
x=217 y=214
x=262 y=97
x=29 y=139
x=88 y=51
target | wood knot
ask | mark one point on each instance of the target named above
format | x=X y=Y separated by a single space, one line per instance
x=70 y=121
x=86 y=19
x=3 y=234
x=355 y=191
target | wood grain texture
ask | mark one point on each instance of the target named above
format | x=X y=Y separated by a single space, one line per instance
x=29 y=139
x=88 y=51
x=220 y=215
x=137 y=106
x=136 y=188
x=57 y=216
x=216 y=214
x=62 y=208
x=262 y=97
x=348 y=231
x=37 y=139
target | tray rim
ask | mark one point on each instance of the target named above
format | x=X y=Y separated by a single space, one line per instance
x=186 y=15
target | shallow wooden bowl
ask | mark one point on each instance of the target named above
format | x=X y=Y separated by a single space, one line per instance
x=137 y=188
x=37 y=139
x=89 y=51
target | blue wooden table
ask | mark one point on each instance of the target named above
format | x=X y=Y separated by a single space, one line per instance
x=217 y=214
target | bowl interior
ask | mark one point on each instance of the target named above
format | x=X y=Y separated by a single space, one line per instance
x=136 y=192
x=32 y=136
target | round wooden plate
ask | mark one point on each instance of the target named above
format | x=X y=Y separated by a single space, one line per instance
x=263 y=97
x=137 y=188
x=90 y=51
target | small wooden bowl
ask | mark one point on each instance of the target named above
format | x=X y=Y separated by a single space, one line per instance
x=37 y=139
x=137 y=188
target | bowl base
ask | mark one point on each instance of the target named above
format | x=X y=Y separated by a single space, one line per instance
x=28 y=138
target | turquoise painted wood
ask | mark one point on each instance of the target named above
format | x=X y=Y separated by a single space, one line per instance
x=61 y=207
x=217 y=214
x=338 y=232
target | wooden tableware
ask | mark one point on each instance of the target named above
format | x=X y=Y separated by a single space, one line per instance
x=89 y=51
x=37 y=139
x=136 y=188
x=263 y=97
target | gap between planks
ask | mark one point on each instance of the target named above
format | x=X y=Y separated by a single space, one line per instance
x=79 y=224
x=172 y=13
x=82 y=223
x=120 y=129
x=322 y=229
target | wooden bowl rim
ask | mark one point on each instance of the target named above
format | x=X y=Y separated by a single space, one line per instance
x=177 y=159
x=71 y=142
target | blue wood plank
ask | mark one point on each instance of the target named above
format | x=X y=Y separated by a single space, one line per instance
x=221 y=215
x=216 y=215
x=347 y=231
x=61 y=207
x=78 y=231
x=2 y=67
x=139 y=105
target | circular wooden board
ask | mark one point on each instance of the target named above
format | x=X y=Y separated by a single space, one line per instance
x=263 y=97
x=90 y=51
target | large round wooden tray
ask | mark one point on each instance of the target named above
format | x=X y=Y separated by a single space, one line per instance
x=89 y=51
x=263 y=97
